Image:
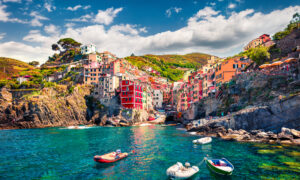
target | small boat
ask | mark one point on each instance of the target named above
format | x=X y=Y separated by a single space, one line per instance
x=193 y=133
x=110 y=157
x=151 y=118
x=219 y=166
x=204 y=140
x=178 y=171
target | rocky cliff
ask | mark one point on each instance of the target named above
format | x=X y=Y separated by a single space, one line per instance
x=50 y=107
x=285 y=113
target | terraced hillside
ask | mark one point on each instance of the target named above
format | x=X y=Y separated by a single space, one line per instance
x=11 y=67
x=169 y=66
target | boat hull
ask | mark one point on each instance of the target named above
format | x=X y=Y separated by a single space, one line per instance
x=100 y=159
x=217 y=170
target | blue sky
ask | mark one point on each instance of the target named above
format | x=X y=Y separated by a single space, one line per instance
x=219 y=27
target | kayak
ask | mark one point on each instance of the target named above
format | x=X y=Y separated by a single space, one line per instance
x=178 y=171
x=110 y=157
x=219 y=166
x=205 y=140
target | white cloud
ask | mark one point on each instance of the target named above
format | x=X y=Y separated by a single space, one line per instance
x=207 y=31
x=2 y=35
x=172 y=9
x=37 y=18
x=144 y=30
x=16 y=1
x=75 y=8
x=212 y=3
x=86 y=7
x=69 y=25
x=84 y=18
x=51 y=29
x=231 y=6
x=5 y=16
x=106 y=17
x=49 y=7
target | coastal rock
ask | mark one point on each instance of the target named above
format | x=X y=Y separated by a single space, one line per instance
x=53 y=107
x=262 y=135
x=296 y=142
x=295 y=133
x=284 y=136
x=230 y=131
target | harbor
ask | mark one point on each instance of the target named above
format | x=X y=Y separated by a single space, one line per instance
x=62 y=153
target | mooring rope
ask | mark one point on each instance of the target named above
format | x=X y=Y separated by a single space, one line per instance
x=200 y=163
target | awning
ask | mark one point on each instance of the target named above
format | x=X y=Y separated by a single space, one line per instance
x=277 y=63
x=264 y=66
x=290 y=60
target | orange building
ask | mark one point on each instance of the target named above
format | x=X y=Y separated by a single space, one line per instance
x=227 y=69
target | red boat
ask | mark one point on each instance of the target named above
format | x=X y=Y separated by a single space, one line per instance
x=151 y=119
x=110 y=157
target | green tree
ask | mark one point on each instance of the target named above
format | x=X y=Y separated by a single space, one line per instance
x=67 y=43
x=258 y=54
x=294 y=23
x=55 y=47
x=34 y=63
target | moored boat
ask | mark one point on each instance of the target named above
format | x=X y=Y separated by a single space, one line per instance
x=204 y=140
x=219 y=166
x=151 y=118
x=178 y=171
x=110 y=157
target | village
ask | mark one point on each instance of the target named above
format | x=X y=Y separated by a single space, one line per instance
x=116 y=82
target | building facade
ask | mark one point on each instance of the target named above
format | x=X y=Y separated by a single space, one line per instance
x=131 y=95
x=88 y=49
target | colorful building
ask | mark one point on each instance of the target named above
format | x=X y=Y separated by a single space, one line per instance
x=227 y=69
x=131 y=95
x=88 y=49
x=157 y=98
x=258 y=41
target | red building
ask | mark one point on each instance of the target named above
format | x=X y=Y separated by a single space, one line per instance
x=131 y=95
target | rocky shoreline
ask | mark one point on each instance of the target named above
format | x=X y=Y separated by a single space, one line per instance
x=286 y=136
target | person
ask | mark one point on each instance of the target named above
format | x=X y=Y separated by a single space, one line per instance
x=186 y=166
x=118 y=152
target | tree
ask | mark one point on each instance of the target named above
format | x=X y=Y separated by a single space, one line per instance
x=258 y=54
x=296 y=18
x=55 y=47
x=34 y=63
x=68 y=43
x=132 y=54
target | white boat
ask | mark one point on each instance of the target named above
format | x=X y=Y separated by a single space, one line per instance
x=193 y=133
x=178 y=171
x=204 y=140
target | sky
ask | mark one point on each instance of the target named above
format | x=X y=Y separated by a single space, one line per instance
x=217 y=27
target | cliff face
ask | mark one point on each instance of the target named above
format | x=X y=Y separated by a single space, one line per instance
x=52 y=107
x=267 y=118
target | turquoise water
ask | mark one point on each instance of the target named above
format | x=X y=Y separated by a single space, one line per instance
x=55 y=153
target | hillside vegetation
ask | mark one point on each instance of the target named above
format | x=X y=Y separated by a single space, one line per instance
x=11 y=67
x=170 y=66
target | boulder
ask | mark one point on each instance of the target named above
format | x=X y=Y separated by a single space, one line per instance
x=242 y=131
x=295 y=133
x=296 y=142
x=254 y=132
x=230 y=131
x=286 y=131
x=283 y=136
x=262 y=135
